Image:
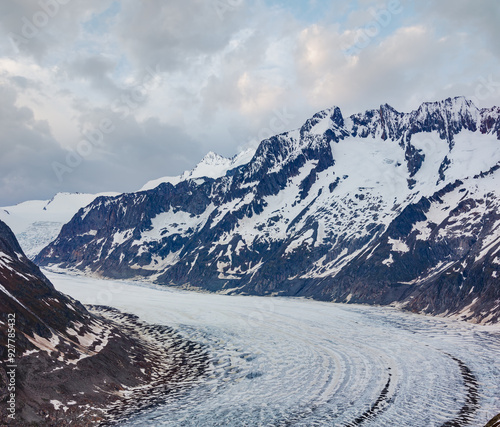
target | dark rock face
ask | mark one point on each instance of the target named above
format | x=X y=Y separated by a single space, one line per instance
x=26 y=292
x=63 y=354
x=369 y=208
x=453 y=267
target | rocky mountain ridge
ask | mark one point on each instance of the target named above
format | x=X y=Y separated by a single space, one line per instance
x=381 y=207
x=62 y=365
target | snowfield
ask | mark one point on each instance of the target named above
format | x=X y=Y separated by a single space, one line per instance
x=286 y=361
x=36 y=223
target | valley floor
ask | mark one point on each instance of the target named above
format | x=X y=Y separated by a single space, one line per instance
x=286 y=361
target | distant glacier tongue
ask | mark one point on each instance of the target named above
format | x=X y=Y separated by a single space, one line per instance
x=286 y=361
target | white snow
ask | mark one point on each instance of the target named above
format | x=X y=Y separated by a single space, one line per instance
x=44 y=344
x=424 y=232
x=121 y=236
x=322 y=126
x=398 y=245
x=174 y=222
x=28 y=352
x=389 y=261
x=472 y=154
x=174 y=180
x=56 y=404
x=305 y=238
x=86 y=340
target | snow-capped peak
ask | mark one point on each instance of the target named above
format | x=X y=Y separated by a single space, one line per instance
x=212 y=158
x=213 y=165
x=457 y=108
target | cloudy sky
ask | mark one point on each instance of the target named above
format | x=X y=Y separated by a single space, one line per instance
x=104 y=95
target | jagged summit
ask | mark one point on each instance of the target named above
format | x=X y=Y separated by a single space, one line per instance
x=212 y=165
x=447 y=117
x=380 y=192
x=213 y=158
x=387 y=122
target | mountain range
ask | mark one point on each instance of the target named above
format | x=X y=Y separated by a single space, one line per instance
x=381 y=207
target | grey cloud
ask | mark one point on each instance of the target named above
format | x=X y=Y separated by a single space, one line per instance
x=96 y=71
x=173 y=33
x=27 y=148
x=133 y=153
x=479 y=21
x=431 y=56
x=202 y=56
x=24 y=83
x=36 y=28
x=128 y=156
x=221 y=91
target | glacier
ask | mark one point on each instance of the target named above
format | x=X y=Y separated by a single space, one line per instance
x=294 y=361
